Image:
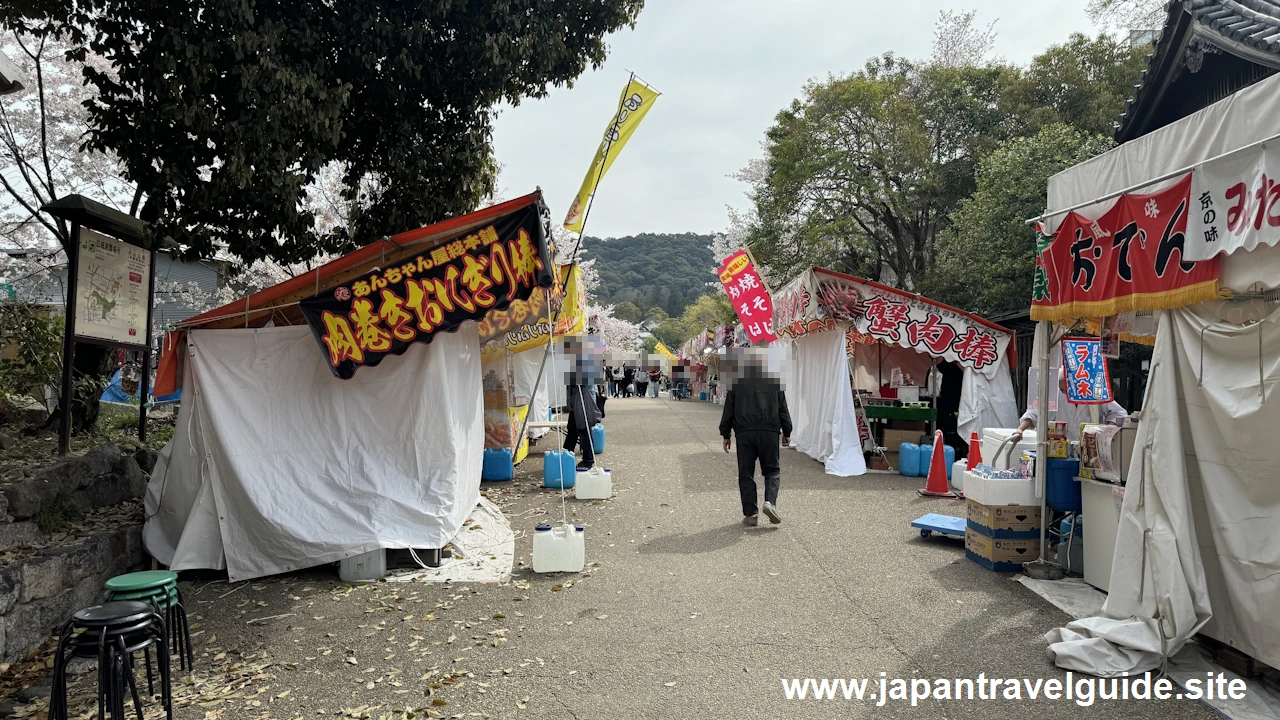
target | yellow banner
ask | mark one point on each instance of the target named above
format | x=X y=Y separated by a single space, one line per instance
x=663 y=349
x=634 y=103
x=526 y=324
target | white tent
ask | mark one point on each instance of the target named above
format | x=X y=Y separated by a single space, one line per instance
x=1195 y=548
x=285 y=457
x=845 y=332
x=276 y=465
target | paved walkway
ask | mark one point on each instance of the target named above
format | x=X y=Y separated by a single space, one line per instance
x=686 y=615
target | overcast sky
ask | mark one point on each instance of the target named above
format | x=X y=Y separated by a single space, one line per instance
x=724 y=68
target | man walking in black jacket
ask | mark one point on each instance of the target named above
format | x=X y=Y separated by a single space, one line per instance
x=755 y=409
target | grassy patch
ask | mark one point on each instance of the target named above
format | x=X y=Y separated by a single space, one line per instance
x=56 y=513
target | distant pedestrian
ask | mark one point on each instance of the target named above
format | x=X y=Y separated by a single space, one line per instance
x=655 y=379
x=616 y=383
x=755 y=410
x=628 y=381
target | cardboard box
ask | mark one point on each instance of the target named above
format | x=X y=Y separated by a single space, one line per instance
x=1000 y=554
x=892 y=457
x=878 y=463
x=1003 y=521
x=1058 y=449
x=894 y=438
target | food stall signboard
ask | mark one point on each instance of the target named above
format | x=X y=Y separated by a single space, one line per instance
x=1085 y=367
x=384 y=312
x=749 y=296
x=1133 y=257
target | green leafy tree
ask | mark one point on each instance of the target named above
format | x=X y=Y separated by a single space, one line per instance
x=655 y=315
x=31 y=341
x=671 y=332
x=627 y=311
x=1083 y=83
x=222 y=112
x=862 y=172
x=652 y=269
x=987 y=258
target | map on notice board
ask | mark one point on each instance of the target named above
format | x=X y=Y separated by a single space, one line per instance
x=112 y=283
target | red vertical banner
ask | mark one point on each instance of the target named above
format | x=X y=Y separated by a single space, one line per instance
x=749 y=297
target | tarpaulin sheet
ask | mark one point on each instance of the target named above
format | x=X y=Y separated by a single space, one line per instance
x=1195 y=550
x=821 y=403
x=1229 y=124
x=277 y=465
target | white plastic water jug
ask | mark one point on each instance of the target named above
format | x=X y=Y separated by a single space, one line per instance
x=562 y=548
x=957 y=474
x=593 y=484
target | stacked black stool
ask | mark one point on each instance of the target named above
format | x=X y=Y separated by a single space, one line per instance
x=111 y=633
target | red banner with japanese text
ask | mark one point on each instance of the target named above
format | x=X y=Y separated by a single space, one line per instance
x=1131 y=258
x=819 y=300
x=749 y=297
x=384 y=312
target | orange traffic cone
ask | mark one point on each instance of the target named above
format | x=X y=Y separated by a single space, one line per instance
x=937 y=486
x=975 y=451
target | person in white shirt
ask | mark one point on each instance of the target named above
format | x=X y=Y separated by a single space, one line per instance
x=1074 y=415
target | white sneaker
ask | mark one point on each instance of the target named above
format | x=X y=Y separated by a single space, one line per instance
x=751 y=520
x=771 y=512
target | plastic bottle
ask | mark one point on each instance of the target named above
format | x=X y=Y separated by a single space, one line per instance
x=562 y=548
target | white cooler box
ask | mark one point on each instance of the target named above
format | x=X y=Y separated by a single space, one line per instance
x=991 y=439
x=1000 y=491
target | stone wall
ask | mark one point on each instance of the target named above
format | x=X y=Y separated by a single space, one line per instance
x=40 y=592
x=45 y=578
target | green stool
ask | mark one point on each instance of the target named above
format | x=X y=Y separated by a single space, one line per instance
x=140 y=581
x=159 y=588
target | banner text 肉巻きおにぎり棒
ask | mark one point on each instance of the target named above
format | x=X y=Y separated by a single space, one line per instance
x=383 y=312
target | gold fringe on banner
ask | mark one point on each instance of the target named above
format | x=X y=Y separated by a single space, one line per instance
x=1165 y=300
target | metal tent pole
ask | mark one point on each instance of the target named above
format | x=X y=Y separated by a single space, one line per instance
x=1041 y=569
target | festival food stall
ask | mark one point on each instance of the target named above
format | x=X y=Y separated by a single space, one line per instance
x=1177 y=230
x=513 y=352
x=848 y=334
x=340 y=412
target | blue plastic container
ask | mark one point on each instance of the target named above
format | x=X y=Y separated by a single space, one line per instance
x=497 y=465
x=597 y=438
x=924 y=454
x=550 y=414
x=1065 y=527
x=1062 y=492
x=702 y=395
x=559 y=469
x=909 y=460
x=950 y=454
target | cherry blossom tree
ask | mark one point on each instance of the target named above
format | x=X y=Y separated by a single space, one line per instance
x=42 y=131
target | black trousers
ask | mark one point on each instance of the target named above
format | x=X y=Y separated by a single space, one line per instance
x=574 y=437
x=765 y=446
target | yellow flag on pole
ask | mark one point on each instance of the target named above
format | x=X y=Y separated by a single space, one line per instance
x=634 y=104
x=663 y=349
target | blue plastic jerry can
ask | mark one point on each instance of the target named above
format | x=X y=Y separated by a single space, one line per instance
x=925 y=453
x=909 y=460
x=497 y=465
x=559 y=469
x=597 y=438
x=950 y=454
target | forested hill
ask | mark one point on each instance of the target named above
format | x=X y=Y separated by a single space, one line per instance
x=652 y=270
